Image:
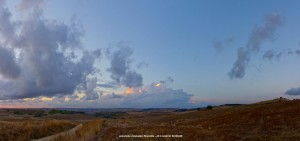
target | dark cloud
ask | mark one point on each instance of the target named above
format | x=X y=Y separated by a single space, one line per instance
x=220 y=45
x=167 y=81
x=290 y=52
x=46 y=57
x=297 y=52
x=120 y=60
x=278 y=55
x=107 y=85
x=265 y=32
x=8 y=66
x=8 y=27
x=132 y=79
x=258 y=36
x=120 y=66
x=113 y=95
x=269 y=55
x=90 y=91
x=142 y=64
x=293 y=91
x=238 y=70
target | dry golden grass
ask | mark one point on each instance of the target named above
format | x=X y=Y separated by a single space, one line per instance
x=24 y=130
x=277 y=120
x=86 y=132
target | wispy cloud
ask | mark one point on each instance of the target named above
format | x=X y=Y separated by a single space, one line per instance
x=221 y=45
x=142 y=64
x=258 y=36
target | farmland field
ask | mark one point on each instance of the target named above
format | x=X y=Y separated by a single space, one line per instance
x=269 y=120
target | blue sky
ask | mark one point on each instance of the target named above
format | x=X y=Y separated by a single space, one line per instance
x=177 y=39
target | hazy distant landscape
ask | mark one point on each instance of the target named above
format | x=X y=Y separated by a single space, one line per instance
x=267 y=120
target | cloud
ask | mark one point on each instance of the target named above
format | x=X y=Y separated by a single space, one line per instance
x=43 y=62
x=120 y=66
x=90 y=91
x=167 y=81
x=113 y=95
x=278 y=55
x=150 y=96
x=26 y=5
x=8 y=27
x=142 y=64
x=8 y=66
x=159 y=97
x=293 y=91
x=143 y=97
x=297 y=52
x=42 y=57
x=258 y=36
x=107 y=85
x=290 y=52
x=269 y=55
x=266 y=32
x=132 y=79
x=156 y=95
x=220 y=45
x=238 y=70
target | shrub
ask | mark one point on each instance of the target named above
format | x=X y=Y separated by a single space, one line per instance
x=209 y=107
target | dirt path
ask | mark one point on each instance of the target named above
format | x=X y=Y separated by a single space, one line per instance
x=102 y=133
x=52 y=137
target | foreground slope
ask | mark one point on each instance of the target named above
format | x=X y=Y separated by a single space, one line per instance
x=269 y=120
x=276 y=119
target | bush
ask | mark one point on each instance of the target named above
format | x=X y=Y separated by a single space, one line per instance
x=209 y=107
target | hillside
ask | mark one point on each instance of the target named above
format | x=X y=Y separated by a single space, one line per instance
x=276 y=119
x=272 y=120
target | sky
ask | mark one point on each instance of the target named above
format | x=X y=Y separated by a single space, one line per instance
x=147 y=54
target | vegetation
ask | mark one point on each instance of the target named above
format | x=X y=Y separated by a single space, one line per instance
x=209 y=107
x=25 y=130
x=34 y=112
x=270 y=120
x=86 y=132
x=112 y=115
x=56 y=111
x=276 y=119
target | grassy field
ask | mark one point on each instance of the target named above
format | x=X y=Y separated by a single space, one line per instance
x=88 y=131
x=275 y=120
x=28 y=124
x=23 y=130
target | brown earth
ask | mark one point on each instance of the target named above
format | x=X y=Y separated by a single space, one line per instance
x=275 y=120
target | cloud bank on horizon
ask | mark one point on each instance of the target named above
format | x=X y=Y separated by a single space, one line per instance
x=44 y=61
